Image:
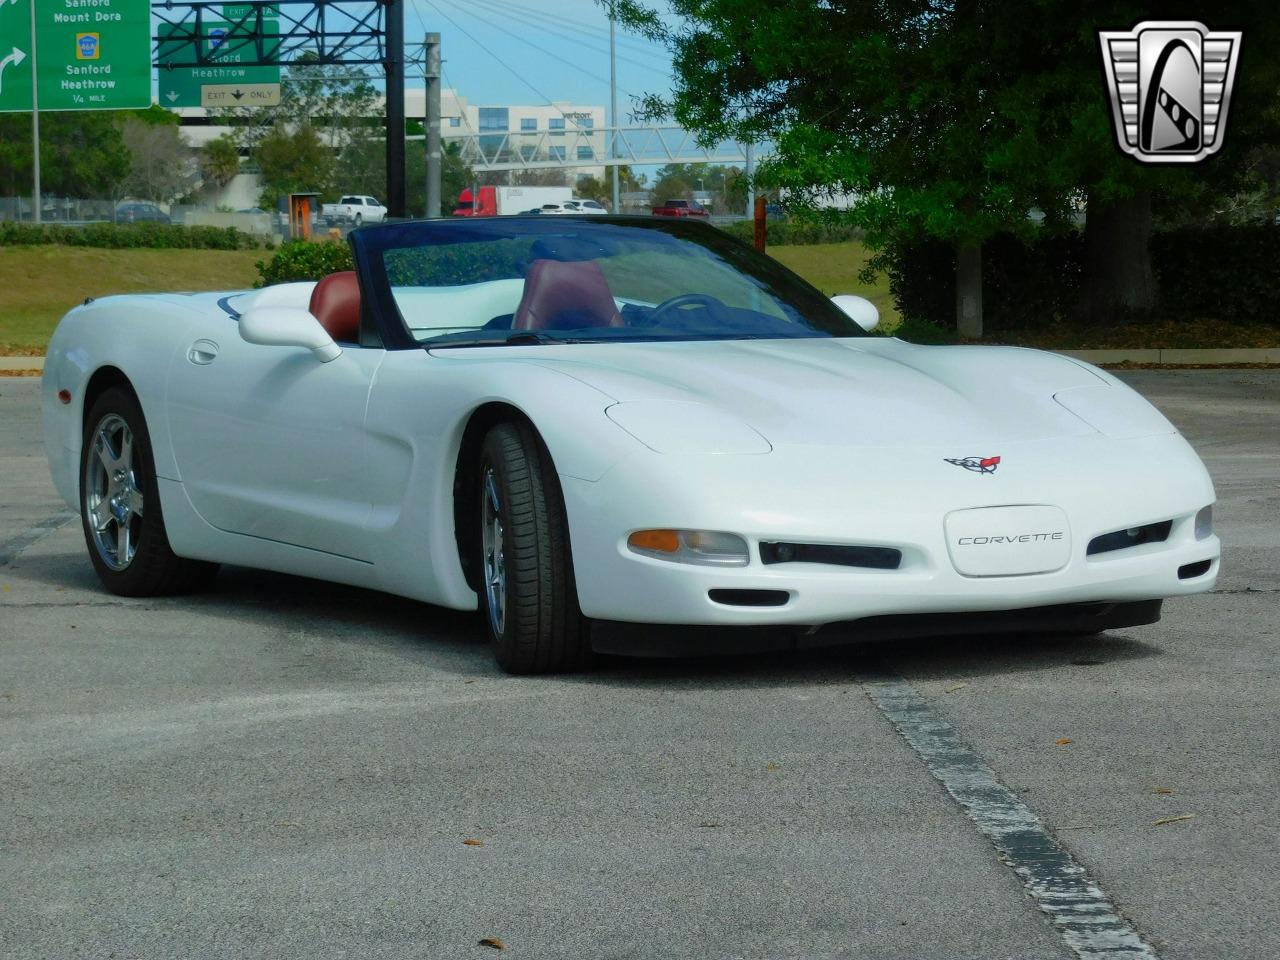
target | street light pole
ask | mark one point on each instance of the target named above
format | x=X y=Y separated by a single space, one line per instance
x=432 y=75
x=613 y=108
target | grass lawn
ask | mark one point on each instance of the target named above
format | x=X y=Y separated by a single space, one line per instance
x=833 y=268
x=39 y=284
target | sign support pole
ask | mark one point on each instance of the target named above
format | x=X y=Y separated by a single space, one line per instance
x=395 y=107
x=35 y=121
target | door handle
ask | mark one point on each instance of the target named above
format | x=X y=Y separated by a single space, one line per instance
x=202 y=352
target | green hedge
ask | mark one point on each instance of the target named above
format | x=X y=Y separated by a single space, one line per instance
x=1226 y=273
x=130 y=235
x=1219 y=273
x=304 y=260
x=784 y=233
x=1022 y=285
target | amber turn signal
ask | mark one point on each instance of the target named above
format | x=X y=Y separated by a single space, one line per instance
x=663 y=541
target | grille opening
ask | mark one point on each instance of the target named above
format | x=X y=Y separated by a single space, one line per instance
x=1189 y=571
x=1132 y=537
x=750 y=598
x=875 y=558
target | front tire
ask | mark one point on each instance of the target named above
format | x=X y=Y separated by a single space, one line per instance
x=527 y=591
x=120 y=504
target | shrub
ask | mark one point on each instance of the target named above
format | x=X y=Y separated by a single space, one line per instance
x=1023 y=285
x=127 y=235
x=1221 y=272
x=794 y=232
x=303 y=260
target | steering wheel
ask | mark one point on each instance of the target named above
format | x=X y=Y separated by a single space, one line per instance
x=682 y=300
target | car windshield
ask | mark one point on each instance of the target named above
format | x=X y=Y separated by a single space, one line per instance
x=498 y=281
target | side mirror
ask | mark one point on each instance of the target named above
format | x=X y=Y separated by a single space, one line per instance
x=858 y=309
x=288 y=327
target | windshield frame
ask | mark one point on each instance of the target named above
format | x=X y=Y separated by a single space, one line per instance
x=369 y=244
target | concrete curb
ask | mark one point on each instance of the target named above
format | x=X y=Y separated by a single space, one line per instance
x=9 y=365
x=1176 y=356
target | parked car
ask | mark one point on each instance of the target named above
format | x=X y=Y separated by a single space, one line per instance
x=680 y=208
x=138 y=212
x=557 y=209
x=587 y=206
x=623 y=434
x=356 y=210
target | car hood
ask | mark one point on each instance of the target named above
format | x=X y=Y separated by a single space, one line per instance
x=867 y=391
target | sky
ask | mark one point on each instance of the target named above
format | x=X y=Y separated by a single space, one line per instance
x=533 y=51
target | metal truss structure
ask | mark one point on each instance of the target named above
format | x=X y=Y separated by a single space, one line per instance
x=596 y=147
x=340 y=32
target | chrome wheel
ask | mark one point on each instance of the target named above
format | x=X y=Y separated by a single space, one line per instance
x=495 y=567
x=113 y=493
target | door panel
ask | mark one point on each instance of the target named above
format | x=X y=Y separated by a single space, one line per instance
x=271 y=443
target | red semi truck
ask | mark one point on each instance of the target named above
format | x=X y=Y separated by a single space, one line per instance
x=501 y=201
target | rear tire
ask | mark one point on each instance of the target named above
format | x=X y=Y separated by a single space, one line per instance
x=527 y=591
x=120 y=504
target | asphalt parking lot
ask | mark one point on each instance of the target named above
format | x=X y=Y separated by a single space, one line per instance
x=283 y=768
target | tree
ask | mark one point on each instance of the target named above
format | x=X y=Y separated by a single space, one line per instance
x=330 y=115
x=82 y=154
x=220 y=160
x=952 y=119
x=161 y=166
x=292 y=161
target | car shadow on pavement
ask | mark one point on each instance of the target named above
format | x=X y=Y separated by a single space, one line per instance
x=454 y=641
x=925 y=657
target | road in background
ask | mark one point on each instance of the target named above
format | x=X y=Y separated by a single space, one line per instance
x=285 y=768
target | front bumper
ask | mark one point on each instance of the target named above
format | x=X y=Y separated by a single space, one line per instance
x=828 y=495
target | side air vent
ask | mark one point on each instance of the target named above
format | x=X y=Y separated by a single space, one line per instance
x=750 y=598
x=1123 y=539
x=875 y=558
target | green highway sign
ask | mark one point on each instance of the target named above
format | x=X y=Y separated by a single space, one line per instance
x=91 y=54
x=183 y=86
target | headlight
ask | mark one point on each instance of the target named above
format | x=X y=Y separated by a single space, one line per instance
x=707 y=547
x=1204 y=523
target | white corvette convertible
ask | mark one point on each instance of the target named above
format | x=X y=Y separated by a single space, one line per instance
x=619 y=434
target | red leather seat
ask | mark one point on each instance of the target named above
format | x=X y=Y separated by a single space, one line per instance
x=335 y=302
x=565 y=295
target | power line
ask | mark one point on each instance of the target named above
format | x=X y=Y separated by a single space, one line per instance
x=600 y=34
x=469 y=35
x=539 y=48
x=567 y=38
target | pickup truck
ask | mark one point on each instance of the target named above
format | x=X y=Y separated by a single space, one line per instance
x=680 y=208
x=355 y=210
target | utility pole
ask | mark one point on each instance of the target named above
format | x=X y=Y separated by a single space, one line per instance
x=613 y=109
x=35 y=121
x=431 y=53
x=751 y=173
x=394 y=56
